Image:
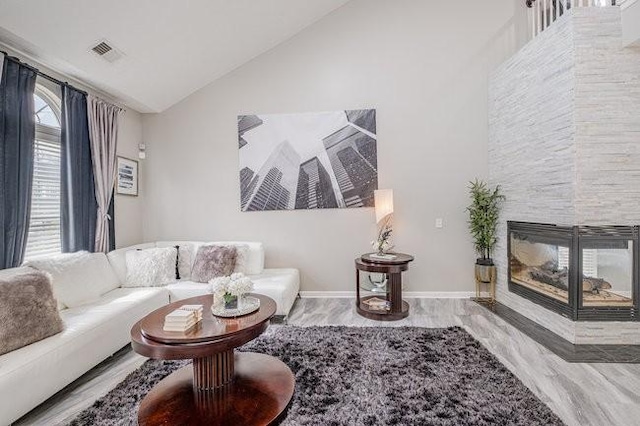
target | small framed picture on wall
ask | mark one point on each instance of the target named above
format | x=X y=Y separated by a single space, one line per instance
x=127 y=179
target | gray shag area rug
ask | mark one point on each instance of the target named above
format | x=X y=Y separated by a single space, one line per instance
x=368 y=376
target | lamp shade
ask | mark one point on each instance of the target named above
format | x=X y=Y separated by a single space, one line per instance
x=383 y=199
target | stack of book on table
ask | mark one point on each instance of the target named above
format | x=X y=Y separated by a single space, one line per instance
x=196 y=309
x=377 y=304
x=183 y=318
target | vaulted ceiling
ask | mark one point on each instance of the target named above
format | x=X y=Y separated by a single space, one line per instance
x=169 y=48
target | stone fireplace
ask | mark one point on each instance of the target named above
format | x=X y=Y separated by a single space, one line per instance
x=564 y=146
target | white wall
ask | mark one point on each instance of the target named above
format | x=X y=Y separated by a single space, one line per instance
x=423 y=65
x=607 y=120
x=128 y=209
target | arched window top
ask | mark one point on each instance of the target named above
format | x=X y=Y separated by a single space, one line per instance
x=47 y=107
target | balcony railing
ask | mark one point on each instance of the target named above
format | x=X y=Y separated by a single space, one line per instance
x=543 y=13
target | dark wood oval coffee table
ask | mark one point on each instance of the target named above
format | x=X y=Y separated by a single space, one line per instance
x=221 y=387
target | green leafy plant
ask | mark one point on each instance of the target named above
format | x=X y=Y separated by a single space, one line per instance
x=484 y=213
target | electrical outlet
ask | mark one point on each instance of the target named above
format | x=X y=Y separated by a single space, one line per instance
x=439 y=223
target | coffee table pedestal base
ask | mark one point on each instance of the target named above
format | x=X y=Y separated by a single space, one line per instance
x=213 y=371
x=259 y=394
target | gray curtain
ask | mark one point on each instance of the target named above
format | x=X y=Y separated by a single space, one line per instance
x=103 y=133
x=79 y=208
x=17 y=136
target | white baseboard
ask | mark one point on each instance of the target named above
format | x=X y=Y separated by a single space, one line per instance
x=438 y=294
x=328 y=294
x=406 y=294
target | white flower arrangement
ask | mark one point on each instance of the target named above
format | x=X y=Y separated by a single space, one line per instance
x=227 y=288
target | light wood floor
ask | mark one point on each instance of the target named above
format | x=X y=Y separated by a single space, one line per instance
x=581 y=394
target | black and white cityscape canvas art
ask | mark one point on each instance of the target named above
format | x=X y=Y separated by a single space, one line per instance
x=308 y=161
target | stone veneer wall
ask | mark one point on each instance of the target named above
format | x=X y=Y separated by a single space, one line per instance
x=607 y=117
x=564 y=144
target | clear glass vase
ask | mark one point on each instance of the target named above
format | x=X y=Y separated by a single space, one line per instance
x=230 y=302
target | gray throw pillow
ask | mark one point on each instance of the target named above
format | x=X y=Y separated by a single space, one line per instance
x=28 y=310
x=213 y=261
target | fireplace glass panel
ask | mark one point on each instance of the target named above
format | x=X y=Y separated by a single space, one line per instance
x=586 y=273
x=541 y=266
x=607 y=274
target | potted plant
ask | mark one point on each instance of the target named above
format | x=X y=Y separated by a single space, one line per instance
x=484 y=212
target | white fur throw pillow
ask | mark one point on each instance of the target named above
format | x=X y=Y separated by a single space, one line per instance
x=154 y=267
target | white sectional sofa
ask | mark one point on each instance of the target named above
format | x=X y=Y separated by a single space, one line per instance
x=97 y=328
x=282 y=285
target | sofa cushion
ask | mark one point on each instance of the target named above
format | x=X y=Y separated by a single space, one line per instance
x=282 y=285
x=78 y=278
x=117 y=259
x=28 y=311
x=185 y=289
x=254 y=263
x=93 y=332
x=242 y=257
x=152 y=267
x=213 y=261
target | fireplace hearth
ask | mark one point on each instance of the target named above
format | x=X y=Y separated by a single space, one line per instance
x=585 y=273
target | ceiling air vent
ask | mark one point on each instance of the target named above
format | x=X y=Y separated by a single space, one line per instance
x=107 y=52
x=102 y=48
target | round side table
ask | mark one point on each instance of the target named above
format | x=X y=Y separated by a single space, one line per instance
x=383 y=304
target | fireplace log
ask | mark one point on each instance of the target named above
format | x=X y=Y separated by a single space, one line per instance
x=560 y=279
x=594 y=285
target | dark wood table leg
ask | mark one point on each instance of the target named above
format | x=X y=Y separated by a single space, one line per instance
x=357 y=288
x=214 y=371
x=395 y=292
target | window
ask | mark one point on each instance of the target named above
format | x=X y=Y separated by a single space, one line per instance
x=44 y=227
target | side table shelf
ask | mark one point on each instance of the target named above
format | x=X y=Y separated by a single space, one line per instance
x=392 y=292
